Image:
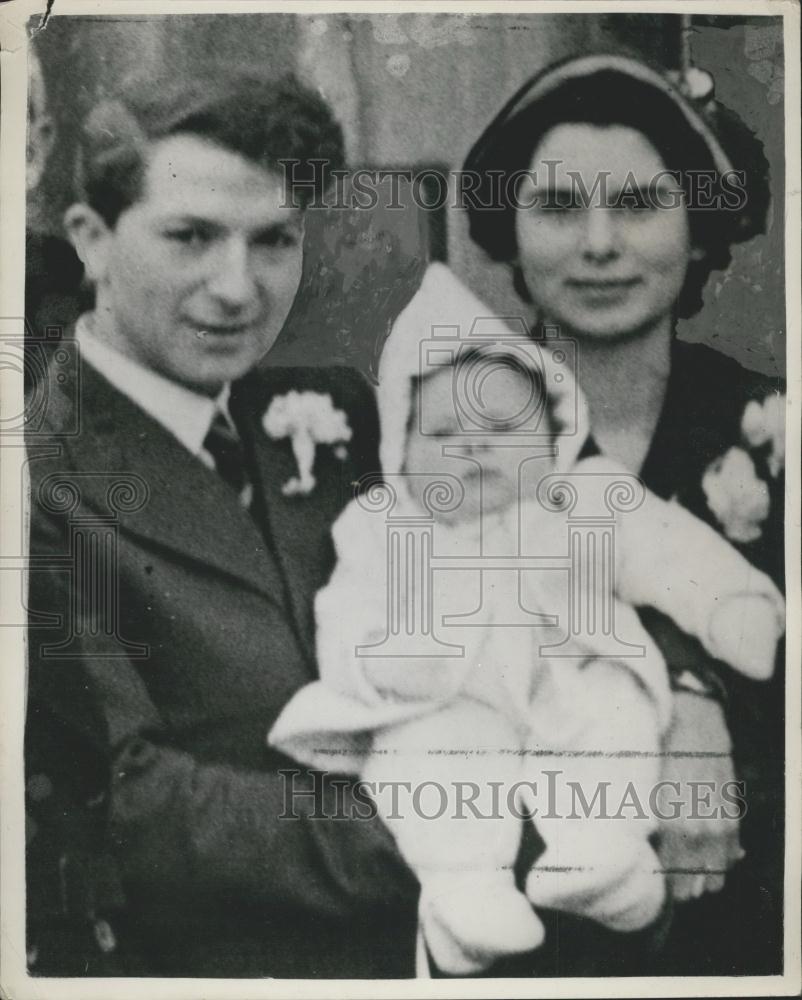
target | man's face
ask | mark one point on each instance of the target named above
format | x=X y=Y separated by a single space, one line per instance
x=198 y=276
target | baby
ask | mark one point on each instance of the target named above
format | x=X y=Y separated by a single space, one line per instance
x=504 y=718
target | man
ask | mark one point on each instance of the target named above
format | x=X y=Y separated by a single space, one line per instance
x=181 y=574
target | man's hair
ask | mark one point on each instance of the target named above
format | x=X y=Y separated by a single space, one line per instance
x=266 y=121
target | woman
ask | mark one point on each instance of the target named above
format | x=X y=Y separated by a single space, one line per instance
x=611 y=235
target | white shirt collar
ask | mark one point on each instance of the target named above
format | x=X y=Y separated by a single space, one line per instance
x=186 y=414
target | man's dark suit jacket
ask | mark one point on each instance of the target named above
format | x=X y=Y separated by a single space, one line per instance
x=150 y=697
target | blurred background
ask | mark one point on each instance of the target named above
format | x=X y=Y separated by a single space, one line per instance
x=410 y=90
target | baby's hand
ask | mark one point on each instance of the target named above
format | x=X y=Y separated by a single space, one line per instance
x=745 y=632
x=414 y=678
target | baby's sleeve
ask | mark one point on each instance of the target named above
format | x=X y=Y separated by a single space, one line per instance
x=351 y=610
x=671 y=560
x=352 y=621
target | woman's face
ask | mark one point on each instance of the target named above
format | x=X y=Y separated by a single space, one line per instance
x=594 y=260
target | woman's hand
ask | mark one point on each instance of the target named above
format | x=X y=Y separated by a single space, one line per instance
x=699 y=845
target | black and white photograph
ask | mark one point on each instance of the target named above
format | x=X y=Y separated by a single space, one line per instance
x=399 y=437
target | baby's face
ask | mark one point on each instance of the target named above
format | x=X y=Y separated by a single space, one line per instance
x=492 y=479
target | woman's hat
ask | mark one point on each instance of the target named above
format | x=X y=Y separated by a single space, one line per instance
x=691 y=93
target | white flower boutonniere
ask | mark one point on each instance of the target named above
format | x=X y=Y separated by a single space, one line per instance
x=737 y=497
x=735 y=494
x=307 y=419
x=764 y=423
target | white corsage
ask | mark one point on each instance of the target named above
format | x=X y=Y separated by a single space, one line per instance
x=307 y=419
x=764 y=423
x=736 y=495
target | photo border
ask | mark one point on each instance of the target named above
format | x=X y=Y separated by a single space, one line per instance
x=14 y=980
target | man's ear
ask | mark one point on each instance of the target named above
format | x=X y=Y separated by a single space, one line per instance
x=91 y=235
x=697 y=253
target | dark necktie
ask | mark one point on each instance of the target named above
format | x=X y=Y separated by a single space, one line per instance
x=224 y=445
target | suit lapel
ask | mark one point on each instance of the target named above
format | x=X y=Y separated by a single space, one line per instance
x=187 y=507
x=299 y=526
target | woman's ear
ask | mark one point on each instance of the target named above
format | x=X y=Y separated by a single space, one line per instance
x=697 y=253
x=91 y=235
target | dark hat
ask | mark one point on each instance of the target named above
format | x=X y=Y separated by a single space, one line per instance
x=697 y=84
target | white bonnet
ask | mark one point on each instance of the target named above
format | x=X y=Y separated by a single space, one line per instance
x=444 y=302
